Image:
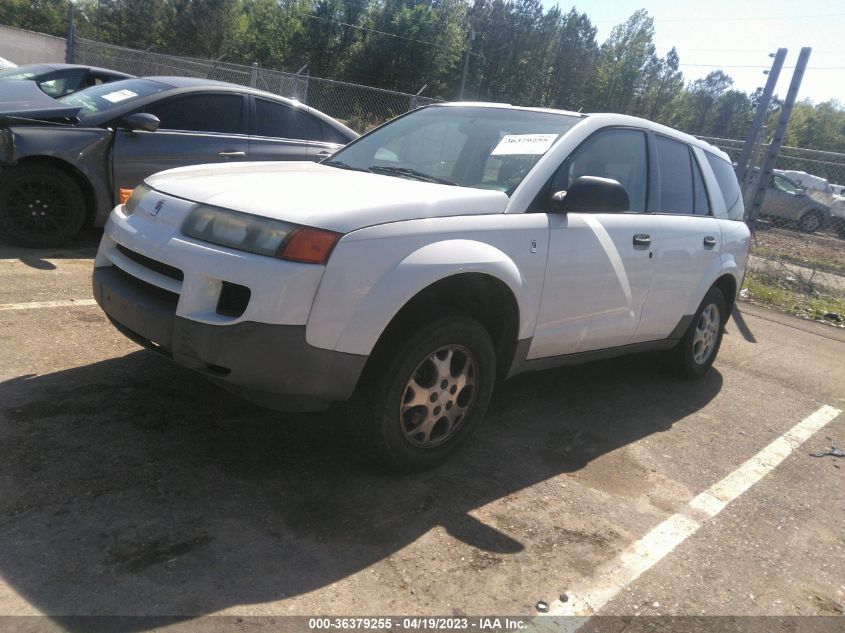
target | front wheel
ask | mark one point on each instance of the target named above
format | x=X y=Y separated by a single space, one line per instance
x=697 y=350
x=40 y=206
x=810 y=222
x=421 y=401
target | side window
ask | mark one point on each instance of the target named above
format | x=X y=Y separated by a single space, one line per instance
x=701 y=203
x=785 y=185
x=282 y=121
x=619 y=154
x=676 y=189
x=331 y=135
x=201 y=113
x=728 y=185
x=63 y=83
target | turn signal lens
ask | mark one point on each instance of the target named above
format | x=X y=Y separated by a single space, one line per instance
x=309 y=246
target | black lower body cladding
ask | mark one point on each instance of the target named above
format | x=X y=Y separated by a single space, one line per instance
x=270 y=365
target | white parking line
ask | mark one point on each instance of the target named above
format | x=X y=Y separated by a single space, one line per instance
x=609 y=580
x=48 y=304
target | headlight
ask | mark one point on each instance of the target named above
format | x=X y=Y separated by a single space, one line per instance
x=139 y=192
x=262 y=236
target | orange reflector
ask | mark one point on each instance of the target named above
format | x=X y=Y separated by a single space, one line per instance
x=124 y=195
x=310 y=246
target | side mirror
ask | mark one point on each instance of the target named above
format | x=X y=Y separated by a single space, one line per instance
x=591 y=194
x=142 y=121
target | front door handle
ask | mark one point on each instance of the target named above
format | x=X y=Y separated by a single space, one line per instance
x=231 y=153
x=709 y=241
x=642 y=239
x=325 y=153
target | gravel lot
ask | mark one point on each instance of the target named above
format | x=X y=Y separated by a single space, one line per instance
x=131 y=486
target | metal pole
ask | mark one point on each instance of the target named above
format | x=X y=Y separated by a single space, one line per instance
x=97 y=32
x=253 y=75
x=470 y=38
x=777 y=140
x=70 y=43
x=413 y=104
x=760 y=115
x=750 y=177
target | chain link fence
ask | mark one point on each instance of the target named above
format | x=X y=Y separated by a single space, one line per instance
x=26 y=47
x=359 y=107
x=798 y=247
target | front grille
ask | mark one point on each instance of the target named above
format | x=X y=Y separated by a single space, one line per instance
x=152 y=264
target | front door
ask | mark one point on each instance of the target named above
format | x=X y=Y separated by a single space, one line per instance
x=195 y=129
x=600 y=265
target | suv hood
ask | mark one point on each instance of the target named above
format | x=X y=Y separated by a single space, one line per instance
x=323 y=197
x=23 y=98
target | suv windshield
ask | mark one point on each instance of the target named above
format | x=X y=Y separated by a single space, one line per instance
x=483 y=147
x=99 y=99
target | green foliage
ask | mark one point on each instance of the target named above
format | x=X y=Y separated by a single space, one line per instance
x=519 y=52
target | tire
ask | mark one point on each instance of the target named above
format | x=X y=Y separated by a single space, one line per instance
x=810 y=222
x=40 y=206
x=697 y=349
x=393 y=418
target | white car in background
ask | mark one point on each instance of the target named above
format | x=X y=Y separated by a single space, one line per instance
x=454 y=246
x=5 y=63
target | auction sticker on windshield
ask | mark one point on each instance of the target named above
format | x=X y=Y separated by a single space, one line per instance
x=524 y=144
x=119 y=95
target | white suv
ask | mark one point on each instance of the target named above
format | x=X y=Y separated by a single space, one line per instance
x=454 y=246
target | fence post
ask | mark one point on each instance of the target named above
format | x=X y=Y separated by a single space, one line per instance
x=70 y=42
x=253 y=75
x=756 y=124
x=777 y=139
x=413 y=104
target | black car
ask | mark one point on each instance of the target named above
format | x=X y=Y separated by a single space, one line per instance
x=66 y=162
x=58 y=80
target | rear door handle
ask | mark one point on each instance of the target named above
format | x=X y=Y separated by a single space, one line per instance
x=642 y=239
x=709 y=241
x=230 y=153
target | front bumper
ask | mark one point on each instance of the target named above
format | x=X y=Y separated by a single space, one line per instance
x=268 y=364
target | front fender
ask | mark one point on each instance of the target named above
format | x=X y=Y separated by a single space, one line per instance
x=358 y=298
x=86 y=149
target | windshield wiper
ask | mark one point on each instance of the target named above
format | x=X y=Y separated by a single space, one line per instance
x=411 y=173
x=341 y=165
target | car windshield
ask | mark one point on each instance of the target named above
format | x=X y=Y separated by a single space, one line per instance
x=105 y=97
x=469 y=146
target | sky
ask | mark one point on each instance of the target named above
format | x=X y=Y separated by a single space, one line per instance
x=737 y=36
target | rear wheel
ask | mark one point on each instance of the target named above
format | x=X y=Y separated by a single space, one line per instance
x=40 y=206
x=421 y=401
x=697 y=350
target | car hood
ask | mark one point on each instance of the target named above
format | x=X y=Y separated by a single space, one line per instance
x=23 y=98
x=320 y=196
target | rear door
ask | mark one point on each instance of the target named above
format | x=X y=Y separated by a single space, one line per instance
x=280 y=131
x=600 y=265
x=691 y=239
x=197 y=128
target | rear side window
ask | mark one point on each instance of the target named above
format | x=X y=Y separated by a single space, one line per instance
x=201 y=113
x=676 y=186
x=700 y=199
x=726 y=178
x=281 y=121
x=331 y=135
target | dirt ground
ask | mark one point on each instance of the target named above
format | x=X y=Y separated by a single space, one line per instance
x=132 y=487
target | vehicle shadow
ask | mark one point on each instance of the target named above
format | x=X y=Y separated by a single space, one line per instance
x=132 y=486
x=82 y=246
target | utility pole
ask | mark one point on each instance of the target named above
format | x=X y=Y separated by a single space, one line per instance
x=759 y=116
x=777 y=140
x=470 y=39
x=70 y=43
